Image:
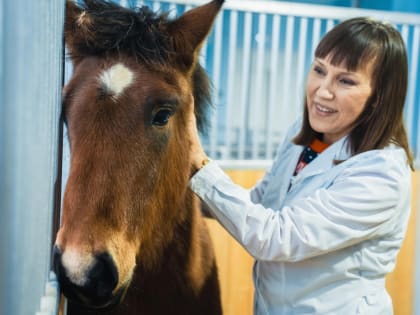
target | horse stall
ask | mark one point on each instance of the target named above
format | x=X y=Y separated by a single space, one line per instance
x=249 y=40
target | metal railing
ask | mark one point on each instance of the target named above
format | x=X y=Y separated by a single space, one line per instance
x=258 y=55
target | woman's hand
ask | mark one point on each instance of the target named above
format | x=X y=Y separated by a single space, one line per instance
x=197 y=155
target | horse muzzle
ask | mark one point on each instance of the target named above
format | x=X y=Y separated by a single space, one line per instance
x=94 y=286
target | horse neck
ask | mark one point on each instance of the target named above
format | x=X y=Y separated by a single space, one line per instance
x=173 y=236
x=188 y=249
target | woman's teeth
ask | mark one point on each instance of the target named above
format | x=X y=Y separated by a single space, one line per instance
x=324 y=109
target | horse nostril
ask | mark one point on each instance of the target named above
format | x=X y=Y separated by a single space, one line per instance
x=101 y=280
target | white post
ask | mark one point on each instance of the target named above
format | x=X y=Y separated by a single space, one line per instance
x=30 y=105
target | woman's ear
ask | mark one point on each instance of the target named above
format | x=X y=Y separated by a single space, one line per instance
x=373 y=101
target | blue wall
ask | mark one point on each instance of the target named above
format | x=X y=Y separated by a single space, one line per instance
x=412 y=6
x=407 y=6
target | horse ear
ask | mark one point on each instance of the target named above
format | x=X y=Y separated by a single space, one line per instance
x=190 y=30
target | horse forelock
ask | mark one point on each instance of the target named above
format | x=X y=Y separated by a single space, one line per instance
x=108 y=28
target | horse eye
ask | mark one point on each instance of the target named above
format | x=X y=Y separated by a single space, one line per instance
x=161 y=118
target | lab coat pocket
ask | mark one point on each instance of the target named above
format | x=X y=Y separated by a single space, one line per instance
x=375 y=303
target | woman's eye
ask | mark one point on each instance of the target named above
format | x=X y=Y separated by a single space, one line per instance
x=318 y=70
x=347 y=81
x=161 y=118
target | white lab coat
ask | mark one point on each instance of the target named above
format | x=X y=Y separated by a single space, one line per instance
x=323 y=240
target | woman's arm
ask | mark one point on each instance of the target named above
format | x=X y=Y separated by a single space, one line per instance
x=360 y=204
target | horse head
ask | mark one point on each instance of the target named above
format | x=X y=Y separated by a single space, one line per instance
x=135 y=78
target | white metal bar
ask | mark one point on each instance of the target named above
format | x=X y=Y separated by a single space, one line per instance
x=244 y=82
x=415 y=55
x=316 y=35
x=300 y=84
x=273 y=100
x=231 y=95
x=288 y=59
x=202 y=58
x=172 y=10
x=203 y=55
x=156 y=6
x=258 y=91
x=217 y=53
x=409 y=110
x=404 y=32
x=330 y=24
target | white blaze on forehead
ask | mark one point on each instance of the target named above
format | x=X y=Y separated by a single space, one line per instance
x=116 y=79
x=77 y=266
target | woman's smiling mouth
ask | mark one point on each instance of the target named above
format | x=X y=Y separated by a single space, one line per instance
x=323 y=109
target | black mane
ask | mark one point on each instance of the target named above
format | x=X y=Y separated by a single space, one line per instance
x=110 y=28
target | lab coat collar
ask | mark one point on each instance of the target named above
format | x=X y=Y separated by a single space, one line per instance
x=338 y=151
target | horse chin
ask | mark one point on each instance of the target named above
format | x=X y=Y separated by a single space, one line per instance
x=116 y=300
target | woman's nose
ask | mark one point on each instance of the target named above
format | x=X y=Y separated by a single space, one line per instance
x=325 y=90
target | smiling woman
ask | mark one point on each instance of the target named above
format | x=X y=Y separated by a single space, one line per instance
x=326 y=222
